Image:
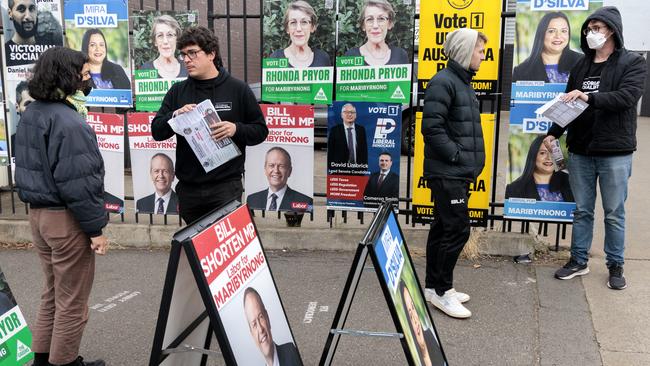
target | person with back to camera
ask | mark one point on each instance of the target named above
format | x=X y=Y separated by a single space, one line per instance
x=60 y=174
x=164 y=32
x=551 y=58
x=104 y=73
x=376 y=18
x=601 y=140
x=300 y=22
x=539 y=180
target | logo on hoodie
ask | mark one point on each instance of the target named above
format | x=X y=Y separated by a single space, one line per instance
x=460 y=4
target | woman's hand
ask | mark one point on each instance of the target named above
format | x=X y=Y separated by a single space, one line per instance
x=99 y=244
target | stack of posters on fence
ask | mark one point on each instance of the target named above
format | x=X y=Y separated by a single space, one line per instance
x=30 y=28
x=15 y=337
x=375 y=51
x=298 y=49
x=479 y=190
x=109 y=129
x=156 y=59
x=363 y=155
x=546 y=47
x=243 y=291
x=152 y=165
x=280 y=171
x=100 y=29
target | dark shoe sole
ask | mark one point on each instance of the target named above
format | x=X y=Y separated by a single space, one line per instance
x=581 y=272
x=616 y=288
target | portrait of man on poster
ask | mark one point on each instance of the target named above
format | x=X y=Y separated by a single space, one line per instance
x=346 y=142
x=33 y=32
x=383 y=183
x=163 y=201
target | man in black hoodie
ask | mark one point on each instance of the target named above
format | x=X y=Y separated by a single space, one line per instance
x=242 y=120
x=601 y=140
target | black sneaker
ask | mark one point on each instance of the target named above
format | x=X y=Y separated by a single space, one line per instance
x=80 y=362
x=571 y=269
x=616 y=278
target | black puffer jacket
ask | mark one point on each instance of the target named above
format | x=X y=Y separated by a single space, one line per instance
x=451 y=126
x=612 y=130
x=58 y=164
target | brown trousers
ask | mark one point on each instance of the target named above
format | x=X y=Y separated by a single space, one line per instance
x=69 y=266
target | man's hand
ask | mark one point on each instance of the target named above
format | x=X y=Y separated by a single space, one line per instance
x=184 y=109
x=99 y=244
x=548 y=142
x=573 y=95
x=223 y=129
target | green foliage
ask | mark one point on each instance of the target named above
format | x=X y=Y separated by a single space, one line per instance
x=143 y=48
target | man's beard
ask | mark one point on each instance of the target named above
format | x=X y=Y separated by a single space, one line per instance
x=20 y=29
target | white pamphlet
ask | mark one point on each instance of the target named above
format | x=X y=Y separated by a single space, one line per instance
x=562 y=113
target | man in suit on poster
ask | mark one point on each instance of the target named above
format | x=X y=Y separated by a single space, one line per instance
x=279 y=196
x=383 y=183
x=259 y=325
x=163 y=200
x=346 y=142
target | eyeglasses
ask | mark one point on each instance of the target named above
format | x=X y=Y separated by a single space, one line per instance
x=349 y=112
x=304 y=23
x=192 y=54
x=595 y=29
x=162 y=36
x=381 y=20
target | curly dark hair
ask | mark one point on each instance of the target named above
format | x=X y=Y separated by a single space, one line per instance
x=57 y=74
x=202 y=37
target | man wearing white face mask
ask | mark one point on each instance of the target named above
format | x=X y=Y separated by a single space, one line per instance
x=602 y=139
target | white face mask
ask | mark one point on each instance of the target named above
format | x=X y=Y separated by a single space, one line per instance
x=596 y=41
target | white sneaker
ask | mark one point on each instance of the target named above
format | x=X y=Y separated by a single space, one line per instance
x=461 y=296
x=447 y=303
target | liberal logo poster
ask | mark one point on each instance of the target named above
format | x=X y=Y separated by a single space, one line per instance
x=237 y=273
x=109 y=129
x=547 y=46
x=30 y=28
x=479 y=198
x=100 y=29
x=15 y=337
x=153 y=170
x=375 y=51
x=298 y=49
x=155 y=57
x=363 y=154
x=280 y=171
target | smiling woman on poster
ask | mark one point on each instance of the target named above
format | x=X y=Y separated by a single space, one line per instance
x=300 y=22
x=104 y=73
x=376 y=19
x=164 y=31
x=551 y=58
x=539 y=180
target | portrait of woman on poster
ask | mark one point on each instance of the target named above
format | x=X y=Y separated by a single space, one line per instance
x=104 y=73
x=164 y=31
x=425 y=340
x=300 y=22
x=539 y=180
x=551 y=58
x=375 y=20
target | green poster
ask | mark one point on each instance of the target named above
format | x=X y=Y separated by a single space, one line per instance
x=358 y=83
x=15 y=337
x=282 y=83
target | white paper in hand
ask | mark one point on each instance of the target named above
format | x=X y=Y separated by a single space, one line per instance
x=562 y=113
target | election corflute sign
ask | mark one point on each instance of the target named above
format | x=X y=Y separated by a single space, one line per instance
x=15 y=337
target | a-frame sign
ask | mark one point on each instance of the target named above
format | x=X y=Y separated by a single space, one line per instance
x=385 y=244
x=219 y=284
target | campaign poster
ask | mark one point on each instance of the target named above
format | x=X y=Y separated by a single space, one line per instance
x=480 y=190
x=100 y=29
x=15 y=336
x=375 y=51
x=547 y=45
x=4 y=147
x=109 y=129
x=30 y=28
x=438 y=18
x=363 y=155
x=157 y=64
x=280 y=171
x=298 y=51
x=406 y=296
x=242 y=288
x=152 y=163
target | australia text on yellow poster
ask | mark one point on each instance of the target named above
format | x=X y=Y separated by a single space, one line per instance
x=479 y=199
x=437 y=18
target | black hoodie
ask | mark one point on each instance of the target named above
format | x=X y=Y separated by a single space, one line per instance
x=611 y=127
x=235 y=102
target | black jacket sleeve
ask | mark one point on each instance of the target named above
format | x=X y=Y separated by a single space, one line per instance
x=160 y=129
x=437 y=101
x=252 y=130
x=629 y=90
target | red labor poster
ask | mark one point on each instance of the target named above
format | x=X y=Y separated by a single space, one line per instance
x=110 y=138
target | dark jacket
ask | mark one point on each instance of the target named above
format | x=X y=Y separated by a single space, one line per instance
x=235 y=102
x=148 y=204
x=388 y=188
x=451 y=126
x=612 y=130
x=337 y=145
x=58 y=163
x=288 y=355
x=115 y=73
x=534 y=69
x=258 y=200
x=526 y=188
